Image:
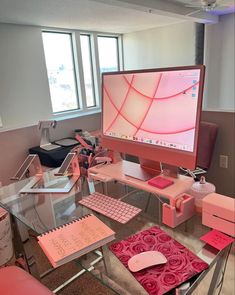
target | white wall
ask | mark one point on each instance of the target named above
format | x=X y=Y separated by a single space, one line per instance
x=24 y=89
x=172 y=45
x=25 y=97
x=219 y=60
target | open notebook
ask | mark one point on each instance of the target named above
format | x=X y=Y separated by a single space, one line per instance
x=74 y=239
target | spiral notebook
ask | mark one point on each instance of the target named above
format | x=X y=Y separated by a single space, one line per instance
x=74 y=239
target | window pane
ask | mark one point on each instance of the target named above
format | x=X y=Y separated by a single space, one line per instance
x=108 y=54
x=87 y=70
x=60 y=71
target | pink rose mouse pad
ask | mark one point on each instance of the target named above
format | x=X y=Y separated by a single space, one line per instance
x=181 y=264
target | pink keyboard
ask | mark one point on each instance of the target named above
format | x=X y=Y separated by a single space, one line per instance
x=110 y=207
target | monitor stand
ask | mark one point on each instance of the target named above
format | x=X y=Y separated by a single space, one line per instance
x=147 y=169
x=144 y=171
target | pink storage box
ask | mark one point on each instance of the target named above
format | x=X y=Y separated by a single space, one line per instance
x=218 y=212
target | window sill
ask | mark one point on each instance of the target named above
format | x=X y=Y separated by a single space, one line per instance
x=75 y=114
x=57 y=117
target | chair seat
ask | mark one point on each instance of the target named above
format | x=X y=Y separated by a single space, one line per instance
x=16 y=281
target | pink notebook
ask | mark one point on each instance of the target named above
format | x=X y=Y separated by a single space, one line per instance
x=74 y=239
x=217 y=239
x=160 y=182
x=182 y=264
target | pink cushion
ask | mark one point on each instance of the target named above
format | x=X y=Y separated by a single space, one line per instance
x=16 y=281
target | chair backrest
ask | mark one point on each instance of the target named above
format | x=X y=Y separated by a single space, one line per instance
x=206 y=142
x=16 y=281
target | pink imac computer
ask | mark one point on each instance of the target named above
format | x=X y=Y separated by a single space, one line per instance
x=153 y=114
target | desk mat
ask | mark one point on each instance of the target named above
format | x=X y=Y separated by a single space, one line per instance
x=181 y=264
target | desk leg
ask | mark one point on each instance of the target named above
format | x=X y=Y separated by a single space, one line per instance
x=91 y=186
x=147 y=203
x=207 y=254
x=217 y=275
x=106 y=259
x=159 y=212
x=23 y=250
x=90 y=268
x=105 y=188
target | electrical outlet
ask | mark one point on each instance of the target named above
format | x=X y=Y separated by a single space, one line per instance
x=223 y=161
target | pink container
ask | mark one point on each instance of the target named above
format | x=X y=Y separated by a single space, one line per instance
x=218 y=212
x=199 y=190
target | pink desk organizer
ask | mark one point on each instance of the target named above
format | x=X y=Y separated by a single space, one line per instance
x=182 y=210
x=218 y=212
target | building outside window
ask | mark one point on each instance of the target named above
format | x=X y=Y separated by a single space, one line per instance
x=61 y=71
x=108 y=53
x=68 y=91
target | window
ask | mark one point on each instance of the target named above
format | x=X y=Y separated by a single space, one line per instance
x=60 y=70
x=74 y=67
x=87 y=70
x=108 y=53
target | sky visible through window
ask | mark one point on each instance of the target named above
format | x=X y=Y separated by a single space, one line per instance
x=108 y=54
x=60 y=70
x=60 y=62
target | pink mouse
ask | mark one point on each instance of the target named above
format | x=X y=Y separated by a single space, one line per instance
x=146 y=259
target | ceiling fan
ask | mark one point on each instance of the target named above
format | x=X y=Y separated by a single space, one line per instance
x=209 y=5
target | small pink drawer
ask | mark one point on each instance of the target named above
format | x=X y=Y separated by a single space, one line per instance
x=218 y=212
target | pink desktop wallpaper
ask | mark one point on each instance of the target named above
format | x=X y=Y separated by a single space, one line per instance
x=157 y=108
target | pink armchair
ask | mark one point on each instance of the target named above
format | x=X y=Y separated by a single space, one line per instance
x=16 y=281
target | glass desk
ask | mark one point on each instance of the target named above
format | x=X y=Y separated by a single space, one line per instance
x=42 y=212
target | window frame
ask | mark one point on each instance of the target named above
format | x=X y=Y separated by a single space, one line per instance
x=75 y=74
x=117 y=46
x=95 y=94
x=78 y=70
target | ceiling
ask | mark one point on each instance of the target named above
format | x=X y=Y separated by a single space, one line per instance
x=222 y=6
x=114 y=16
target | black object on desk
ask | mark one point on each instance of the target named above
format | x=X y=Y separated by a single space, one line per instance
x=52 y=158
x=55 y=157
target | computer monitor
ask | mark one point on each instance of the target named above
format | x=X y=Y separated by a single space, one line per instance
x=154 y=114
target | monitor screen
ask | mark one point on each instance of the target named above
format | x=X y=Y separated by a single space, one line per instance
x=154 y=113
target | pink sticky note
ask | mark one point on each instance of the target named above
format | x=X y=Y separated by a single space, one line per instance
x=217 y=239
